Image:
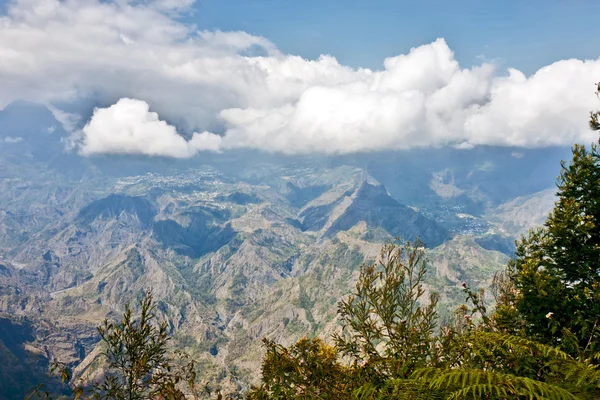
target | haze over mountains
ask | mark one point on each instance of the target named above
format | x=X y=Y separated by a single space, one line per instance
x=240 y=245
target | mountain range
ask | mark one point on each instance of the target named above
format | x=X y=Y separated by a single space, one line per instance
x=235 y=246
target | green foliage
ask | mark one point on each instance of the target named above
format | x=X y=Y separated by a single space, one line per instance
x=309 y=369
x=556 y=271
x=398 y=389
x=595 y=115
x=385 y=326
x=387 y=334
x=462 y=383
x=40 y=392
x=137 y=363
x=304 y=300
x=390 y=348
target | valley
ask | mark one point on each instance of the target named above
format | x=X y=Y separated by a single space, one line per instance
x=236 y=246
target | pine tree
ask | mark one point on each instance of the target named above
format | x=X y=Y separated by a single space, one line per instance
x=556 y=270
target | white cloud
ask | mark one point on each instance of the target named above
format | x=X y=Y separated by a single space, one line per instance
x=172 y=5
x=128 y=127
x=68 y=120
x=11 y=139
x=549 y=108
x=57 y=51
x=425 y=99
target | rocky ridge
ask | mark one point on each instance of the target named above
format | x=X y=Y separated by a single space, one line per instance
x=232 y=254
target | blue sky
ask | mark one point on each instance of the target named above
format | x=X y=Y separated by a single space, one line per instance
x=247 y=74
x=524 y=34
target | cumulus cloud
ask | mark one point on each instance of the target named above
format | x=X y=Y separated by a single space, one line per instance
x=60 y=51
x=425 y=99
x=128 y=127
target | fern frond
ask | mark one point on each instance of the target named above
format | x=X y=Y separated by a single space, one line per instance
x=398 y=389
x=497 y=340
x=473 y=383
x=583 y=374
x=365 y=392
x=481 y=391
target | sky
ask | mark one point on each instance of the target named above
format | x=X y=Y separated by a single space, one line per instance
x=522 y=34
x=178 y=78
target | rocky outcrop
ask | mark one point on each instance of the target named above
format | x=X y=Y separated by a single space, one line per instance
x=373 y=205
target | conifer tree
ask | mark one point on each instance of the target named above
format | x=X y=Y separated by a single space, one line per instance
x=556 y=270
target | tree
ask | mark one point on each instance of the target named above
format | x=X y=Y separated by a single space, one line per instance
x=137 y=361
x=136 y=354
x=387 y=334
x=595 y=115
x=556 y=270
x=386 y=327
x=542 y=340
x=389 y=348
x=309 y=369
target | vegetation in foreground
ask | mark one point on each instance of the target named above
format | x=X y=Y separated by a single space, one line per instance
x=541 y=341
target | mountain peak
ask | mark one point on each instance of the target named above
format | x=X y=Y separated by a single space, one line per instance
x=26 y=119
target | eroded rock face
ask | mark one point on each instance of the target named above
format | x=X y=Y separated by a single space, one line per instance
x=373 y=205
x=26 y=348
x=218 y=262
